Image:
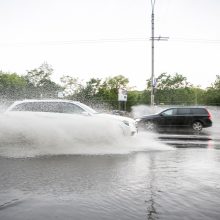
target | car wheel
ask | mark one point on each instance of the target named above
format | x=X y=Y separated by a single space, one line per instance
x=197 y=126
x=149 y=126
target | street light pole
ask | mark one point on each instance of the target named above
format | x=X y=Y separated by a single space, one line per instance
x=152 y=51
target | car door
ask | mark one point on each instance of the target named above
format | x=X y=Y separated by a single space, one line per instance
x=184 y=117
x=167 y=118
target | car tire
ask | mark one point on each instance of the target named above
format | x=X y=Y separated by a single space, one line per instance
x=149 y=125
x=197 y=126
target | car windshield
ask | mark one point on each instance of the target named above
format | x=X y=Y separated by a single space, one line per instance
x=169 y=112
x=87 y=108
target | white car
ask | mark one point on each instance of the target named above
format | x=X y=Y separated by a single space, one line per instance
x=127 y=124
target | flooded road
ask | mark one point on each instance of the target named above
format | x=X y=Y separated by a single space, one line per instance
x=183 y=183
x=157 y=176
x=189 y=140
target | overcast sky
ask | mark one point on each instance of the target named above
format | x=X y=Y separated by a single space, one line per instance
x=102 y=38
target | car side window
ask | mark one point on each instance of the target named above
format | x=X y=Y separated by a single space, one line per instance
x=169 y=112
x=38 y=107
x=56 y=107
x=25 y=107
x=199 y=111
x=49 y=107
x=184 y=111
x=71 y=108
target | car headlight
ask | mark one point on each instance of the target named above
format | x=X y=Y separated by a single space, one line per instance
x=126 y=122
x=137 y=120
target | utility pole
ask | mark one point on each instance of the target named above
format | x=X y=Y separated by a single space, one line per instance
x=152 y=51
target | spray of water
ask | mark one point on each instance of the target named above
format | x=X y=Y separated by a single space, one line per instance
x=28 y=134
x=140 y=110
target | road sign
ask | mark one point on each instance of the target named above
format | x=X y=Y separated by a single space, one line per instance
x=122 y=95
x=60 y=95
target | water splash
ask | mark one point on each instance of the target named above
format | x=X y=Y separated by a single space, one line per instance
x=36 y=134
x=140 y=110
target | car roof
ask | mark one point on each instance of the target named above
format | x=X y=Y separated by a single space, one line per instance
x=45 y=100
x=40 y=100
x=185 y=107
x=180 y=107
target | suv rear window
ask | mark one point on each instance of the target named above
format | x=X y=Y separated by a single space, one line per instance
x=199 y=111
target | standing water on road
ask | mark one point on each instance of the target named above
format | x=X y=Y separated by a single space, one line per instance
x=55 y=173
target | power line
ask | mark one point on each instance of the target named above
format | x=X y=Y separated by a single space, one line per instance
x=111 y=40
x=197 y=40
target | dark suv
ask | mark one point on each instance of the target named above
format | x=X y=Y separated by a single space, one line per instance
x=194 y=118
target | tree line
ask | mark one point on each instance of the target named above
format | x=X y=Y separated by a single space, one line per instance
x=169 y=90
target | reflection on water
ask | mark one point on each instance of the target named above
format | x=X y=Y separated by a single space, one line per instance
x=195 y=141
x=175 y=184
x=151 y=210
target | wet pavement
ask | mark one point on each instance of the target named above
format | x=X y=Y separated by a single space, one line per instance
x=208 y=138
x=183 y=183
x=178 y=180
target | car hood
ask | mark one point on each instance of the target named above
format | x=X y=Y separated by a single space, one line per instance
x=117 y=117
x=129 y=122
x=149 y=116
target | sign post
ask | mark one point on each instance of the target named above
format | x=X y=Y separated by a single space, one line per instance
x=122 y=97
x=60 y=95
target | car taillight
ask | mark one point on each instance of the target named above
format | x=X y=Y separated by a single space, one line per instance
x=209 y=115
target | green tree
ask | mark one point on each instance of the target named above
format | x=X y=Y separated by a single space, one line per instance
x=172 y=89
x=12 y=86
x=137 y=98
x=39 y=84
x=90 y=92
x=212 y=96
x=109 y=89
x=40 y=75
x=71 y=86
x=95 y=91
